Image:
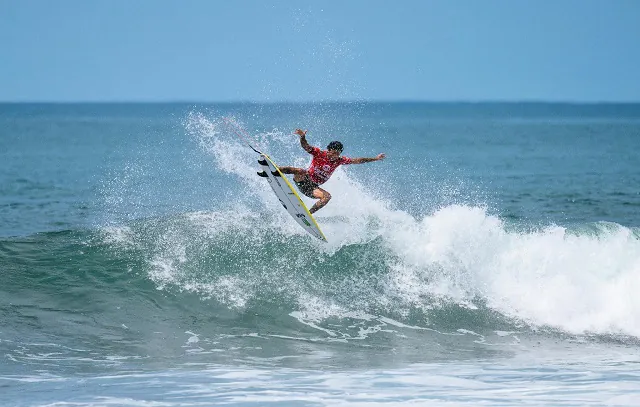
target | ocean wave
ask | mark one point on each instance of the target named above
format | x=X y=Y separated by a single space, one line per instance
x=458 y=268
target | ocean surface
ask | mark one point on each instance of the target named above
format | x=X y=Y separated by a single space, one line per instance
x=492 y=259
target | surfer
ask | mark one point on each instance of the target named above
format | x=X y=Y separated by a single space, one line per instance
x=324 y=163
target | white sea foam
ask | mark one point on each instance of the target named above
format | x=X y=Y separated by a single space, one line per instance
x=117 y=235
x=578 y=380
x=578 y=283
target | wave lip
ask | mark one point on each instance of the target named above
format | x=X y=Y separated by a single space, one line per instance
x=579 y=281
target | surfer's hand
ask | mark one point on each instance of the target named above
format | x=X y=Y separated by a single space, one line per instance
x=301 y=132
x=381 y=156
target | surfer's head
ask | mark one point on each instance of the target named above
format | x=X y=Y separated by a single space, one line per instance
x=334 y=149
x=335 y=146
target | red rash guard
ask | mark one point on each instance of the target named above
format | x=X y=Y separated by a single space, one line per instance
x=321 y=167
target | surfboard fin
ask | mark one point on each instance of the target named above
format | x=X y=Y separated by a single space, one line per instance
x=276 y=174
x=262 y=162
x=263 y=174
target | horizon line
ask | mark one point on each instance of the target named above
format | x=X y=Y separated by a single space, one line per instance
x=330 y=101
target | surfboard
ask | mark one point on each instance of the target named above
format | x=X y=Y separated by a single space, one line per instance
x=288 y=197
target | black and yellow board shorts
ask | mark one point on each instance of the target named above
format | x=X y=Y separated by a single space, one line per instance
x=306 y=186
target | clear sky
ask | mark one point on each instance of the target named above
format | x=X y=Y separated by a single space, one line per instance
x=271 y=50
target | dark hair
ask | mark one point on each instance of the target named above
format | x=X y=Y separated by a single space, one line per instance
x=335 y=145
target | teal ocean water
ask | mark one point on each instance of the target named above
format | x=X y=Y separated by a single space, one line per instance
x=492 y=259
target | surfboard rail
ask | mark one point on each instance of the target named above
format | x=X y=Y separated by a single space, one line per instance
x=288 y=197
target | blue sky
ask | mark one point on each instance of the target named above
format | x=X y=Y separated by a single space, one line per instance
x=207 y=50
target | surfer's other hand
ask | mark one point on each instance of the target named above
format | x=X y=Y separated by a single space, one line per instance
x=301 y=132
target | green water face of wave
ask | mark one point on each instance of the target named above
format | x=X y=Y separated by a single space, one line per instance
x=161 y=287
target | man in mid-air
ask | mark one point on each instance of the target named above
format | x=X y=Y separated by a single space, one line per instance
x=324 y=163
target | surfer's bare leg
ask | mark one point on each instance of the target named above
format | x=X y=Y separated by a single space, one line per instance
x=323 y=196
x=299 y=173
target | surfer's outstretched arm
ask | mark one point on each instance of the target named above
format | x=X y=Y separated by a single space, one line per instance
x=303 y=140
x=363 y=160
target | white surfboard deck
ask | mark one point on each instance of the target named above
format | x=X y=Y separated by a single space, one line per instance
x=288 y=197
